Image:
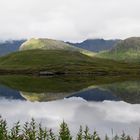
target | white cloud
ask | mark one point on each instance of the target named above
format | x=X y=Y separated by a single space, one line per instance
x=69 y=20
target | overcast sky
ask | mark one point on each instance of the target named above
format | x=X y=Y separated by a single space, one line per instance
x=72 y=20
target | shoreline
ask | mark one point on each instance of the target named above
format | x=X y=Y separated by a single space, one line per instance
x=57 y=73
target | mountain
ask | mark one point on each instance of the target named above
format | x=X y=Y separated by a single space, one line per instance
x=50 y=44
x=86 y=46
x=96 y=45
x=126 y=50
x=10 y=46
x=47 y=56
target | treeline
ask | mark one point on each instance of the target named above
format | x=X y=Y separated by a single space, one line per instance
x=33 y=131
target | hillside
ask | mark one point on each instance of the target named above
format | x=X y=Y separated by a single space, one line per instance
x=96 y=45
x=50 y=44
x=47 y=56
x=10 y=46
x=127 y=50
x=62 y=62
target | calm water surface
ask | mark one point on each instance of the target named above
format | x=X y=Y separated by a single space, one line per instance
x=102 y=104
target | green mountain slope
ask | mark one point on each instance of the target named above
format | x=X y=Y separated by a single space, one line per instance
x=127 y=50
x=56 y=57
x=40 y=59
x=50 y=44
x=56 y=61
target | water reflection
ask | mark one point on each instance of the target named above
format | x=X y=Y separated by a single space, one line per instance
x=8 y=93
x=95 y=94
x=101 y=116
x=102 y=103
x=54 y=88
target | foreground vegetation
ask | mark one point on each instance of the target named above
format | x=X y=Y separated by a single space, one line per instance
x=33 y=131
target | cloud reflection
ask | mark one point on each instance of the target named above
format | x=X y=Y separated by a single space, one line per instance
x=101 y=116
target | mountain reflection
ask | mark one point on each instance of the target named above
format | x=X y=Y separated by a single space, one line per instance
x=54 y=88
x=102 y=103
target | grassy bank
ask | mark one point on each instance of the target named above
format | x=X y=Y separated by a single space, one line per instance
x=33 y=131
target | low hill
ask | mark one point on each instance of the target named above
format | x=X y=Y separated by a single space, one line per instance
x=64 y=62
x=38 y=59
x=50 y=44
x=96 y=45
x=127 y=50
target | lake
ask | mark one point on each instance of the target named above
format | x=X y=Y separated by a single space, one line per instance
x=108 y=104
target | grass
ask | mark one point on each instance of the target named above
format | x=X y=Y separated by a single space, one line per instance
x=33 y=131
x=130 y=55
x=68 y=62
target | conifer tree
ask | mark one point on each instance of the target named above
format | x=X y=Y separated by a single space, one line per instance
x=64 y=132
x=87 y=135
x=106 y=137
x=95 y=136
x=80 y=134
x=3 y=129
x=52 y=135
x=15 y=132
